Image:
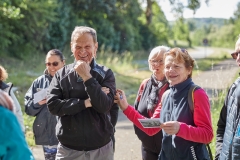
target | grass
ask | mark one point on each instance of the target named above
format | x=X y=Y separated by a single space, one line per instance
x=216 y=106
x=128 y=77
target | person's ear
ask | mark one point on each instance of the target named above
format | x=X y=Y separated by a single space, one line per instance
x=96 y=46
x=190 y=70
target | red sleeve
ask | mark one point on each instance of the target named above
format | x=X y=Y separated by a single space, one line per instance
x=133 y=115
x=203 y=132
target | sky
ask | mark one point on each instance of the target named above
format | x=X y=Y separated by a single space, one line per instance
x=215 y=9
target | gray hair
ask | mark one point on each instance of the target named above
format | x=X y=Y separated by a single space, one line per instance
x=80 y=30
x=157 y=51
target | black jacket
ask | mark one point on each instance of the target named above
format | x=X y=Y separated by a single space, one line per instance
x=78 y=127
x=44 y=123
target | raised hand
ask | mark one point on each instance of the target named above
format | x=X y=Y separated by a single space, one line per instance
x=121 y=99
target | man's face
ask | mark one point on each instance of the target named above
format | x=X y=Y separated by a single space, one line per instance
x=84 y=48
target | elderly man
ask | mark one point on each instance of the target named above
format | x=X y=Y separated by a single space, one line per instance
x=83 y=107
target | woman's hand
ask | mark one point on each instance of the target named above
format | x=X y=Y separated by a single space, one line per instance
x=44 y=101
x=171 y=127
x=121 y=99
x=105 y=90
x=88 y=103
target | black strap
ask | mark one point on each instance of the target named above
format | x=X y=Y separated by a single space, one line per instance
x=209 y=151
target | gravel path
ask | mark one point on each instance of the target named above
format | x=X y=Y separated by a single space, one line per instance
x=127 y=143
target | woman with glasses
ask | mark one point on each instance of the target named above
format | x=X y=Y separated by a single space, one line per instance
x=185 y=132
x=148 y=98
x=35 y=105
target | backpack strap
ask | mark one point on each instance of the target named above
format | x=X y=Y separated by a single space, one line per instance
x=191 y=105
x=191 y=97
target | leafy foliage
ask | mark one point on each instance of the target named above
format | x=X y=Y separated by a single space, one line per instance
x=31 y=26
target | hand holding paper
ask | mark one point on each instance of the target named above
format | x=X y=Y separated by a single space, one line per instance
x=40 y=95
x=150 y=123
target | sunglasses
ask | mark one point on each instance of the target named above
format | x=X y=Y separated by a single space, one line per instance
x=235 y=54
x=54 y=64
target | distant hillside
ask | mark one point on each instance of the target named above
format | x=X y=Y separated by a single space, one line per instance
x=200 y=22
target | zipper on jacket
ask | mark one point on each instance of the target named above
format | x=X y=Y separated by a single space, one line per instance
x=193 y=153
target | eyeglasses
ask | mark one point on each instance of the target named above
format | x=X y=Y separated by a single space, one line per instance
x=54 y=64
x=235 y=54
x=156 y=62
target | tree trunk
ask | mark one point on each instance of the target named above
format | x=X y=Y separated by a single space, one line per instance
x=189 y=42
x=149 y=12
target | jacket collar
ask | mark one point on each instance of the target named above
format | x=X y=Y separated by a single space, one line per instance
x=179 y=88
x=3 y=85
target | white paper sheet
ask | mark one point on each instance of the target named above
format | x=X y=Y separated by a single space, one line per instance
x=40 y=95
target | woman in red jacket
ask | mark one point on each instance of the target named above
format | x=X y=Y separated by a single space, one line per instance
x=185 y=133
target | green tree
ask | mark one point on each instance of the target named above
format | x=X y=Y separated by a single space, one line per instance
x=28 y=27
x=10 y=12
x=59 y=31
x=181 y=31
x=177 y=7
